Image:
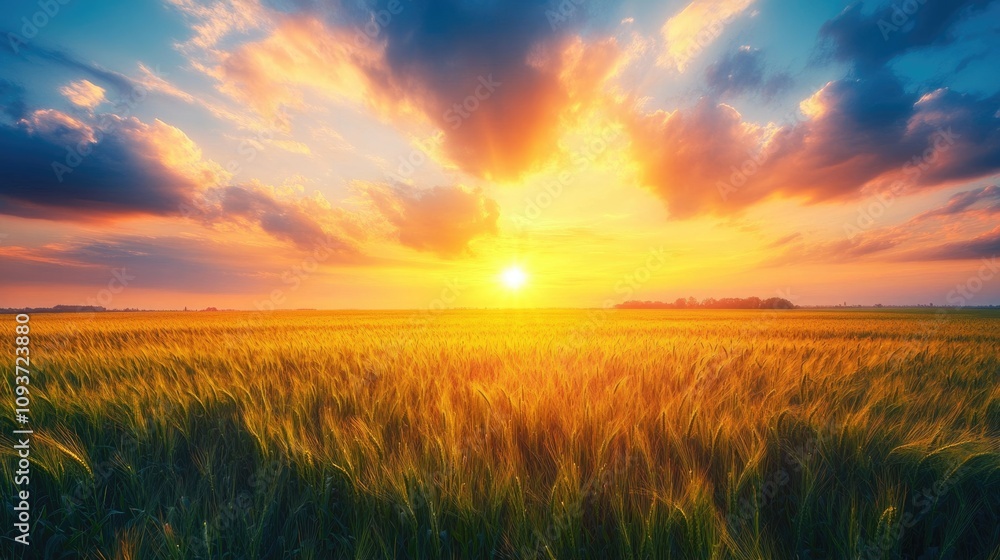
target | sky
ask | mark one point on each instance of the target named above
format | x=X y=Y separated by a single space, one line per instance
x=261 y=154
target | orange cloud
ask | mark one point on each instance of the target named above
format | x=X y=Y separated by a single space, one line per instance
x=270 y=75
x=707 y=160
x=213 y=21
x=684 y=155
x=501 y=119
x=442 y=219
x=83 y=93
x=963 y=228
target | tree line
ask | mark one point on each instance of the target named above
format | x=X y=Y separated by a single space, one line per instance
x=711 y=303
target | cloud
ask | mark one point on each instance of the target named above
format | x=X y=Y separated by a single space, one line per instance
x=900 y=244
x=441 y=219
x=83 y=93
x=152 y=80
x=983 y=246
x=836 y=251
x=186 y=264
x=742 y=71
x=271 y=75
x=963 y=228
x=213 y=21
x=12 y=99
x=501 y=109
x=985 y=200
x=682 y=155
x=868 y=133
x=127 y=168
x=61 y=168
x=861 y=135
x=786 y=240
x=694 y=28
x=125 y=87
x=306 y=222
x=871 y=40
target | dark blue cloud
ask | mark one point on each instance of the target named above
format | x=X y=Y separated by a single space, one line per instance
x=870 y=40
x=974 y=122
x=120 y=176
x=442 y=49
x=744 y=72
x=986 y=200
x=59 y=168
x=12 y=100
x=985 y=246
x=872 y=127
x=59 y=174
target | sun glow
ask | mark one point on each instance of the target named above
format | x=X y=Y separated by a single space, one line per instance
x=514 y=277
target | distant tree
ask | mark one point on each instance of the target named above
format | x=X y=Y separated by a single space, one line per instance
x=776 y=303
x=711 y=303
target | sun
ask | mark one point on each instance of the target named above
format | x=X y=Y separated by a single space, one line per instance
x=514 y=277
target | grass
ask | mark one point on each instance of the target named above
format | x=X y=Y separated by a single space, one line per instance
x=535 y=434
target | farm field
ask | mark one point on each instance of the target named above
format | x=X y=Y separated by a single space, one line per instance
x=515 y=434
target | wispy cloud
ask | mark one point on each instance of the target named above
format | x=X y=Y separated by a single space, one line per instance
x=696 y=27
x=83 y=93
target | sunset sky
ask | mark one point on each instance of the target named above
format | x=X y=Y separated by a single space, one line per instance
x=406 y=153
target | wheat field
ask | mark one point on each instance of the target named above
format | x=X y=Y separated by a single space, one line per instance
x=515 y=434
